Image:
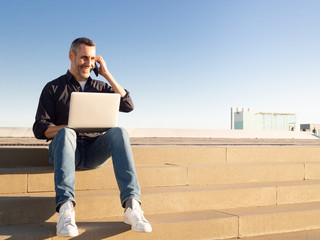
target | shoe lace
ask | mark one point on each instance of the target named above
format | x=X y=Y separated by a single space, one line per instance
x=67 y=218
x=139 y=216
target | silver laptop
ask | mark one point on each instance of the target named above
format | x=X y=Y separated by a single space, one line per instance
x=93 y=112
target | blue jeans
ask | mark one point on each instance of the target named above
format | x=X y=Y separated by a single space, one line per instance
x=67 y=153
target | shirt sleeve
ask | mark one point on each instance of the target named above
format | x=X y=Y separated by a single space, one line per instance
x=126 y=103
x=45 y=113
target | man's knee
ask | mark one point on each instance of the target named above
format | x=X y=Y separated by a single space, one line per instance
x=65 y=142
x=118 y=133
x=65 y=136
x=67 y=133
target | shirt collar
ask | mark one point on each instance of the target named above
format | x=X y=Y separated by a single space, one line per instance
x=70 y=77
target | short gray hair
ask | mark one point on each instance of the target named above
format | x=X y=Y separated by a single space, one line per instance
x=77 y=42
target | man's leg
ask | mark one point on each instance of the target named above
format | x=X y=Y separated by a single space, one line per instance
x=62 y=152
x=115 y=142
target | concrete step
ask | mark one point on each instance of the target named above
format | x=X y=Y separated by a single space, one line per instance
x=227 y=154
x=40 y=179
x=255 y=154
x=268 y=190
x=24 y=208
x=300 y=235
x=23 y=157
x=294 y=222
x=145 y=155
x=209 y=225
x=277 y=219
x=150 y=155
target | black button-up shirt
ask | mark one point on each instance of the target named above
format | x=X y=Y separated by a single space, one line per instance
x=54 y=102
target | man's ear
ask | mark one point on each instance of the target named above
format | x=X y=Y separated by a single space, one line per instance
x=71 y=55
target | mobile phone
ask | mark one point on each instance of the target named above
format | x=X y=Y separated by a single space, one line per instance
x=96 y=70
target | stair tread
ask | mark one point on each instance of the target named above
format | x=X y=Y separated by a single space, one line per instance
x=296 y=207
x=114 y=228
x=185 y=188
x=40 y=178
x=181 y=155
x=243 y=186
x=298 y=235
x=156 y=200
x=36 y=169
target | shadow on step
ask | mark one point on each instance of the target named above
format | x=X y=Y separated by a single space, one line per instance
x=26 y=209
x=94 y=230
x=23 y=157
x=24 y=231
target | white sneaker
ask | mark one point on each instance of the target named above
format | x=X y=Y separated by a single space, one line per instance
x=66 y=224
x=135 y=218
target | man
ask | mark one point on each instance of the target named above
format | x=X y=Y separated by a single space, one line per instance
x=69 y=150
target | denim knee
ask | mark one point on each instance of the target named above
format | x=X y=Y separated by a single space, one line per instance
x=118 y=134
x=68 y=133
x=63 y=136
x=67 y=136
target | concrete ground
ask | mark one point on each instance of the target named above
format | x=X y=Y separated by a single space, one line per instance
x=25 y=142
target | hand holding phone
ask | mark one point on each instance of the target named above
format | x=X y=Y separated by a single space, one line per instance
x=102 y=66
x=104 y=72
x=96 y=70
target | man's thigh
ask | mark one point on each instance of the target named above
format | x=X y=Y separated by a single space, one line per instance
x=97 y=153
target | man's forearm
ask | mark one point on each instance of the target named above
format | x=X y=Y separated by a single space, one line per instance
x=53 y=130
x=103 y=71
x=115 y=85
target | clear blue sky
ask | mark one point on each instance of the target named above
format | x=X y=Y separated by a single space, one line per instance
x=185 y=62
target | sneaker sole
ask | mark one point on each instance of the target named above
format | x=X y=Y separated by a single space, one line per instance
x=68 y=235
x=132 y=228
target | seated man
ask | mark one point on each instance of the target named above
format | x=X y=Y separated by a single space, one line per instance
x=69 y=150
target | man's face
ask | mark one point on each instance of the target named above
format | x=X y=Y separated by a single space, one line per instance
x=82 y=62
